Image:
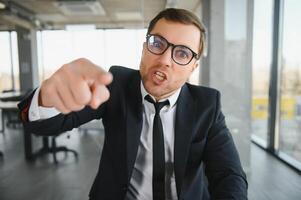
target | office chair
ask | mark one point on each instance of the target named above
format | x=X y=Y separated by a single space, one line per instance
x=52 y=148
x=11 y=113
x=55 y=149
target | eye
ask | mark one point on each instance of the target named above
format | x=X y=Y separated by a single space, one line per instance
x=182 y=54
x=157 y=44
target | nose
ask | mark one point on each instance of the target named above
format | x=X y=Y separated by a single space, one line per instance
x=165 y=59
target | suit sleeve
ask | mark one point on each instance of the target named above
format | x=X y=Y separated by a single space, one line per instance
x=59 y=123
x=226 y=177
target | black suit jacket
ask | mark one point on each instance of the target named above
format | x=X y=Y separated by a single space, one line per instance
x=206 y=162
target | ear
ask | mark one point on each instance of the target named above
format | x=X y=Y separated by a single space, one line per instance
x=195 y=65
x=143 y=47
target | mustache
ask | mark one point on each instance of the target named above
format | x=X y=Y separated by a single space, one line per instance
x=155 y=66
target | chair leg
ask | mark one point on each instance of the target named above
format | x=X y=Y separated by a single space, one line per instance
x=2 y=123
x=72 y=151
x=53 y=149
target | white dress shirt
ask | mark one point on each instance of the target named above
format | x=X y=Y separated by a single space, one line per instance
x=37 y=112
x=141 y=180
x=140 y=186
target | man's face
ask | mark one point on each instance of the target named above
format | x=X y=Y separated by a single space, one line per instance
x=160 y=75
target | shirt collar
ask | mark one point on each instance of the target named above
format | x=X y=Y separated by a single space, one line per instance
x=172 y=99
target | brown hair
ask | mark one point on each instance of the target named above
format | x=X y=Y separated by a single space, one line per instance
x=182 y=16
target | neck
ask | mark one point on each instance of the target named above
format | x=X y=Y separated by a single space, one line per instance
x=165 y=96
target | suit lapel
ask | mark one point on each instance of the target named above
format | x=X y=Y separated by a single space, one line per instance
x=183 y=128
x=133 y=121
x=183 y=132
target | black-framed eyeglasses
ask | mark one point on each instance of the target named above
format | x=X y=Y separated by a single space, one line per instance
x=181 y=54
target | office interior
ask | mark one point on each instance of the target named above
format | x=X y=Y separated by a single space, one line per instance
x=252 y=57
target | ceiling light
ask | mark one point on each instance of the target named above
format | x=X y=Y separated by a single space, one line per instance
x=75 y=8
x=2 y=5
x=129 y=16
x=80 y=27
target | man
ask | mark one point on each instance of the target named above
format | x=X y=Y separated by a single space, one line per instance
x=183 y=151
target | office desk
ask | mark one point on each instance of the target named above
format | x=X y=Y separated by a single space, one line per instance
x=12 y=96
x=28 y=150
x=6 y=107
x=11 y=106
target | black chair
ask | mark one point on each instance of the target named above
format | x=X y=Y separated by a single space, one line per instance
x=55 y=149
x=1 y=154
x=51 y=148
x=13 y=120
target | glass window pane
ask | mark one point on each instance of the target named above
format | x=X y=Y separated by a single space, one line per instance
x=230 y=70
x=56 y=50
x=124 y=47
x=262 y=58
x=103 y=47
x=15 y=60
x=5 y=64
x=290 y=96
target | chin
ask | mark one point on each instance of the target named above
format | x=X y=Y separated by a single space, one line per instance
x=151 y=90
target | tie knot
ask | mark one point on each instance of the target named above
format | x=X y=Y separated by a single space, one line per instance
x=158 y=105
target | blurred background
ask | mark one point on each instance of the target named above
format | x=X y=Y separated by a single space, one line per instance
x=253 y=49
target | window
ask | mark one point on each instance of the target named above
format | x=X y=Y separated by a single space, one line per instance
x=262 y=59
x=9 y=70
x=290 y=89
x=103 y=47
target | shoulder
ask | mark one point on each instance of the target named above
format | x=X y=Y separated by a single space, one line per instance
x=124 y=78
x=123 y=75
x=205 y=100
x=201 y=92
x=120 y=71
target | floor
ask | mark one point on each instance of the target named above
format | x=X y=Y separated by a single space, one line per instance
x=71 y=179
x=271 y=179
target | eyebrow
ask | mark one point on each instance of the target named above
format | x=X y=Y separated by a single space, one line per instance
x=158 y=34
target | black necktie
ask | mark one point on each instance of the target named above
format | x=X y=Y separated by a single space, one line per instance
x=158 y=152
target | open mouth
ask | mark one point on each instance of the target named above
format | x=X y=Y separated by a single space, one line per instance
x=159 y=75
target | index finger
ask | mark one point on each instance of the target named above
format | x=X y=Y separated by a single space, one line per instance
x=92 y=73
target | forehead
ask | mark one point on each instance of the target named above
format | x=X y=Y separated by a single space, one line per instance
x=178 y=33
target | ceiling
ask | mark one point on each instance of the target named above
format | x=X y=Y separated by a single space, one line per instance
x=55 y=14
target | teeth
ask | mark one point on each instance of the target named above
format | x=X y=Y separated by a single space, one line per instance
x=159 y=77
x=160 y=74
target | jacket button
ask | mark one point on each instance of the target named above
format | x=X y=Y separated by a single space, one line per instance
x=124 y=187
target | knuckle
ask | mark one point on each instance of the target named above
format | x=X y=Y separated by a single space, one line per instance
x=55 y=79
x=65 y=111
x=48 y=89
x=65 y=71
x=74 y=107
x=62 y=107
x=83 y=98
x=78 y=108
x=82 y=93
x=81 y=61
